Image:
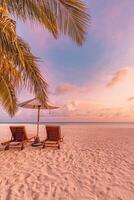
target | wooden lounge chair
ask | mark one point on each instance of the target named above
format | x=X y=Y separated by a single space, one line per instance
x=18 y=139
x=53 y=136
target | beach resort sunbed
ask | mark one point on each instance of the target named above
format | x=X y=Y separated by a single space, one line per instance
x=18 y=138
x=53 y=137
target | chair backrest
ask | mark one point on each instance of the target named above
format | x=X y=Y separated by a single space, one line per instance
x=53 y=133
x=18 y=133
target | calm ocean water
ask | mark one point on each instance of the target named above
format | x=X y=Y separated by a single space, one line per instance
x=113 y=124
x=31 y=127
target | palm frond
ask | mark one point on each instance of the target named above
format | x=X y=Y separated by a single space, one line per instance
x=17 y=60
x=34 y=11
x=7 y=95
x=58 y=16
x=72 y=18
x=8 y=42
x=9 y=70
x=28 y=66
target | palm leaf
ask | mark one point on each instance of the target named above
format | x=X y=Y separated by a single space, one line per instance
x=72 y=18
x=17 y=61
x=11 y=73
x=34 y=11
x=7 y=95
x=58 y=16
x=28 y=67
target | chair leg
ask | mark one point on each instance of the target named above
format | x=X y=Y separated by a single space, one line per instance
x=58 y=146
x=43 y=146
x=22 y=147
x=6 y=147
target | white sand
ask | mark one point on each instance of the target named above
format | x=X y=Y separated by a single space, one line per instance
x=94 y=163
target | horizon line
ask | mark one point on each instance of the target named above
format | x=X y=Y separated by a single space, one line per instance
x=6 y=122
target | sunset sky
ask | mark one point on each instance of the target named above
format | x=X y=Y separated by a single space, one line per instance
x=90 y=83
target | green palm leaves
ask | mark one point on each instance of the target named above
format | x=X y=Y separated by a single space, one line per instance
x=18 y=66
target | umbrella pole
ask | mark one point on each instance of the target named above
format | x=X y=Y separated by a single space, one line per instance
x=38 y=120
x=37 y=140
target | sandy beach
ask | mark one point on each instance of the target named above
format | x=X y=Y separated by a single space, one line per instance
x=94 y=163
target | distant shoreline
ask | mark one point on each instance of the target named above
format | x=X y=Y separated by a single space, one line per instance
x=67 y=122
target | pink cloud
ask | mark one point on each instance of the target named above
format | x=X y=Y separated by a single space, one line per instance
x=117 y=77
x=65 y=88
x=68 y=88
x=90 y=111
x=71 y=106
x=131 y=98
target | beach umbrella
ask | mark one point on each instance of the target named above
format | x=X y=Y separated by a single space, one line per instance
x=36 y=104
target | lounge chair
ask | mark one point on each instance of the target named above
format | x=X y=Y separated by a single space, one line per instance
x=53 y=136
x=18 y=139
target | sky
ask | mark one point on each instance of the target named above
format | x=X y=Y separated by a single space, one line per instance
x=94 y=82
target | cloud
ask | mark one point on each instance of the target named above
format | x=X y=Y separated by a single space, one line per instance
x=72 y=106
x=93 y=111
x=67 y=88
x=117 y=77
x=131 y=98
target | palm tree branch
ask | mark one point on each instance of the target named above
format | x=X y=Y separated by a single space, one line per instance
x=58 y=16
x=72 y=18
x=7 y=95
x=13 y=48
x=34 y=11
x=10 y=71
x=28 y=67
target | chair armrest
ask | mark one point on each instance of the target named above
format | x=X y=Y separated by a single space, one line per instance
x=30 y=137
x=24 y=141
x=6 y=142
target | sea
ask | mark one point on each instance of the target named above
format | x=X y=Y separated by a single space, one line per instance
x=116 y=124
x=31 y=127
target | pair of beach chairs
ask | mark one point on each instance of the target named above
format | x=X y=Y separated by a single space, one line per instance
x=19 y=137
